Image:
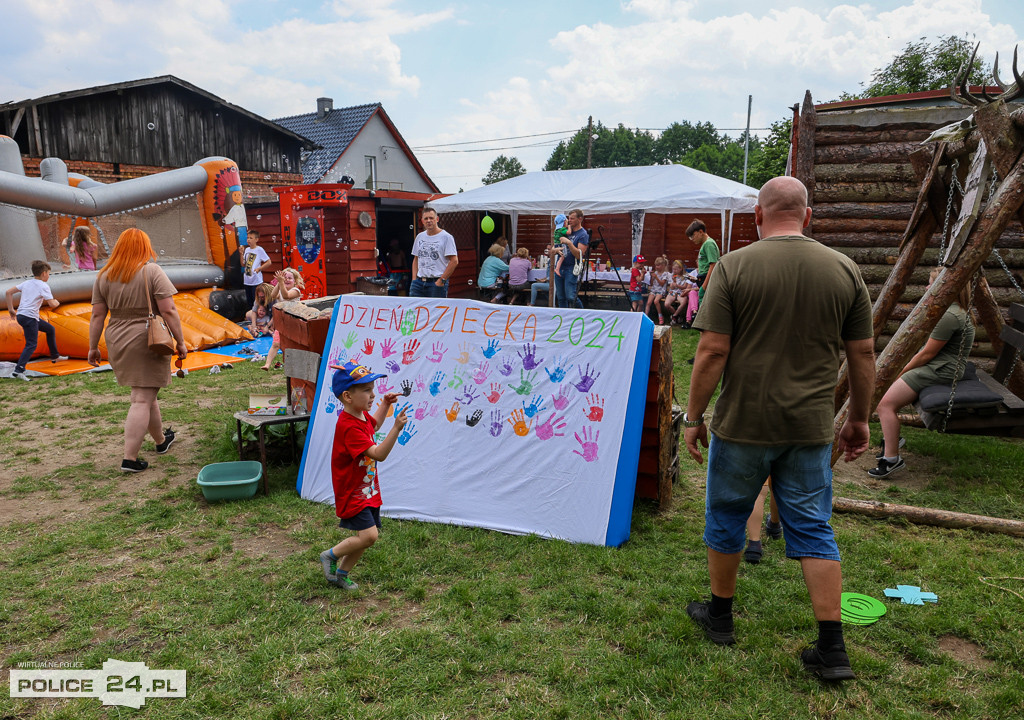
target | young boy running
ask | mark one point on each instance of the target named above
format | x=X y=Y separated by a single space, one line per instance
x=34 y=293
x=354 y=459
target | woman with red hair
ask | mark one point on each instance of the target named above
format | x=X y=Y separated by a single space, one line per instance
x=121 y=290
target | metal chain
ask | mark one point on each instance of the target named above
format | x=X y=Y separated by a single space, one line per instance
x=995 y=251
x=961 y=359
x=949 y=207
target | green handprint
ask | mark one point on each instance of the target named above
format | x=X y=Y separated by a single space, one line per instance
x=457 y=379
x=526 y=382
x=408 y=323
x=350 y=340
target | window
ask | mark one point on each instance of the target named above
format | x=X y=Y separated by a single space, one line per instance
x=371 y=172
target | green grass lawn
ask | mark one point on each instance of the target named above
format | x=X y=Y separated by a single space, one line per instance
x=466 y=623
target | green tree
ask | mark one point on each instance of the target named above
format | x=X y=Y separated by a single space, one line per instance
x=925 y=66
x=621 y=147
x=503 y=168
x=678 y=139
x=770 y=159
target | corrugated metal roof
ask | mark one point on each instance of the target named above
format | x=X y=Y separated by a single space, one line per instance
x=334 y=133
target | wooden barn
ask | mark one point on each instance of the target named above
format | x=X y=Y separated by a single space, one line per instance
x=863 y=163
x=130 y=129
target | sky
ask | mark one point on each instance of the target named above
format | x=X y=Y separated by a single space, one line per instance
x=466 y=81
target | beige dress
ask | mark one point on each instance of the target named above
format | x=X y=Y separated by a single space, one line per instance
x=127 y=340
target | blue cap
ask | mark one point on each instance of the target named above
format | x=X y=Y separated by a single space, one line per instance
x=349 y=374
x=559 y=219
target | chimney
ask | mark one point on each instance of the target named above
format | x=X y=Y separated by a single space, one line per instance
x=323 y=106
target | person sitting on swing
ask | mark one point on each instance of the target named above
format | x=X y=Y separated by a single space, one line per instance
x=942 y=360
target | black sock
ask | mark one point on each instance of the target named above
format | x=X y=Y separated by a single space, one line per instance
x=720 y=606
x=830 y=634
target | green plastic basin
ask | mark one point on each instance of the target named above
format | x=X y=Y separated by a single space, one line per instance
x=230 y=480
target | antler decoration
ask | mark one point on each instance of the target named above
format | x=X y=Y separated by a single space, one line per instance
x=960 y=93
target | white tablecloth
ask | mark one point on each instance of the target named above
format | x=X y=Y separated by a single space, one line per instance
x=538 y=275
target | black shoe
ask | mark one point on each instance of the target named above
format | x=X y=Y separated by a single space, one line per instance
x=718 y=630
x=690 y=361
x=832 y=664
x=134 y=466
x=753 y=552
x=885 y=468
x=166 y=444
x=899 y=446
x=772 y=529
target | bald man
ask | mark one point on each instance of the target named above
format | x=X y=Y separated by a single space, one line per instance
x=773 y=321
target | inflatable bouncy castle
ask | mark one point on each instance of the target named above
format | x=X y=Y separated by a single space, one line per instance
x=194 y=217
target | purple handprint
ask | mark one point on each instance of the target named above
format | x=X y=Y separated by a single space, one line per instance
x=496 y=424
x=392 y=366
x=480 y=374
x=387 y=348
x=437 y=352
x=586 y=380
x=588 y=442
x=548 y=428
x=506 y=367
x=469 y=394
x=561 y=400
x=530 y=360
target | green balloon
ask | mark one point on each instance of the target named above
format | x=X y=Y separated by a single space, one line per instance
x=487 y=224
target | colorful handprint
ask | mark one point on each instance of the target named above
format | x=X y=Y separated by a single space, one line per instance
x=435 y=384
x=596 y=412
x=550 y=427
x=491 y=349
x=561 y=400
x=406 y=388
x=409 y=351
x=480 y=374
x=421 y=384
x=382 y=386
x=473 y=419
x=530 y=360
x=458 y=377
x=588 y=442
x=469 y=394
x=535 y=406
x=349 y=341
x=525 y=386
x=387 y=348
x=556 y=373
x=407 y=432
x=586 y=380
x=506 y=367
x=392 y=366
x=463 y=357
x=378 y=437
x=408 y=323
x=496 y=424
x=518 y=422
x=497 y=390
x=368 y=346
x=437 y=352
x=452 y=413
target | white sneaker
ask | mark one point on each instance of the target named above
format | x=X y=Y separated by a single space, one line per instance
x=21 y=376
x=59 y=358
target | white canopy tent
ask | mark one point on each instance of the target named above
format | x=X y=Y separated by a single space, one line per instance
x=664 y=189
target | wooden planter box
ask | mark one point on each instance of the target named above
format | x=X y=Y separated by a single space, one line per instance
x=658 y=469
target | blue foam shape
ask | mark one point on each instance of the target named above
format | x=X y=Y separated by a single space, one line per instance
x=911 y=595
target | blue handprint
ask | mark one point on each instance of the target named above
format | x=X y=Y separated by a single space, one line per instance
x=535 y=406
x=506 y=367
x=330 y=405
x=435 y=384
x=469 y=394
x=530 y=360
x=407 y=432
x=586 y=380
x=557 y=373
x=406 y=408
x=491 y=349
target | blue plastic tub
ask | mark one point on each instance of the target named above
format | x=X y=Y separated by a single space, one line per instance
x=230 y=480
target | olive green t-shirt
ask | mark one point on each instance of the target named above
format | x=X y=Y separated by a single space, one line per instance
x=956 y=329
x=787 y=303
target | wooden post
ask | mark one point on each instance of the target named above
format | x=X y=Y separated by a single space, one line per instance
x=804 y=166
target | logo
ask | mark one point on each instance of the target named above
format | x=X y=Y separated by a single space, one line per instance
x=118 y=683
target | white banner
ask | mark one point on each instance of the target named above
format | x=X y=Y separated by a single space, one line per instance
x=525 y=420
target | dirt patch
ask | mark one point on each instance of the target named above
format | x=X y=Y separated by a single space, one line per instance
x=918 y=474
x=965 y=652
x=270 y=542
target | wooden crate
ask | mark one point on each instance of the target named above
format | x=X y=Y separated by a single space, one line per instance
x=658 y=469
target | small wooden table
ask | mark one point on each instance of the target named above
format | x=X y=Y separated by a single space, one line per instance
x=260 y=422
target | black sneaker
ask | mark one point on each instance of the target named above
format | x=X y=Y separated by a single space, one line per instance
x=718 y=630
x=832 y=664
x=166 y=444
x=899 y=446
x=885 y=468
x=753 y=552
x=772 y=529
x=134 y=466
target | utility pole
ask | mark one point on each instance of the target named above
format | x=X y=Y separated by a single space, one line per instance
x=746 y=139
x=590 y=138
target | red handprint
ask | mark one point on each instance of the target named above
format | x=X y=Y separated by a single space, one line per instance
x=496 y=391
x=596 y=412
x=368 y=346
x=409 y=351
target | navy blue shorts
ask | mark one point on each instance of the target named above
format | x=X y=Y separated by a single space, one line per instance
x=362 y=520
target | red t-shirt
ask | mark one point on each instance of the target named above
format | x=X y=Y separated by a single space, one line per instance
x=634 y=280
x=353 y=474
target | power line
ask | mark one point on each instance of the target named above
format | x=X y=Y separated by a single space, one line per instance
x=511 y=137
x=494 y=149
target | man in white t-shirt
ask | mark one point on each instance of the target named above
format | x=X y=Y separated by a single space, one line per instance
x=434 y=259
x=34 y=293
x=254 y=262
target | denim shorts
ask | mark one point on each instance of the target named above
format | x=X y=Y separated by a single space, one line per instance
x=362 y=520
x=635 y=295
x=802 y=484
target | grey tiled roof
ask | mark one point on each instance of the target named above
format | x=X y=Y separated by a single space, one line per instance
x=334 y=133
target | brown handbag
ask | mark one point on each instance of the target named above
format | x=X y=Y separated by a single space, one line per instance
x=160 y=339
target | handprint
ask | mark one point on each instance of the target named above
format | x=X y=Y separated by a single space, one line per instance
x=408 y=323
x=438 y=353
x=491 y=349
x=596 y=407
x=338 y=356
x=586 y=380
x=422 y=411
x=406 y=388
x=469 y=394
x=547 y=429
x=516 y=420
x=330 y=405
x=452 y=413
x=561 y=400
x=399 y=409
x=368 y=346
x=463 y=357
x=473 y=419
x=378 y=437
x=496 y=424
x=557 y=373
x=392 y=366
x=407 y=432
x=589 y=444
x=497 y=389
x=356 y=358
x=526 y=382
x=506 y=367
x=480 y=374
x=530 y=360
x=535 y=406
x=435 y=384
x=382 y=386
x=409 y=351
x=387 y=348
x=350 y=340
x=457 y=379
x=421 y=384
